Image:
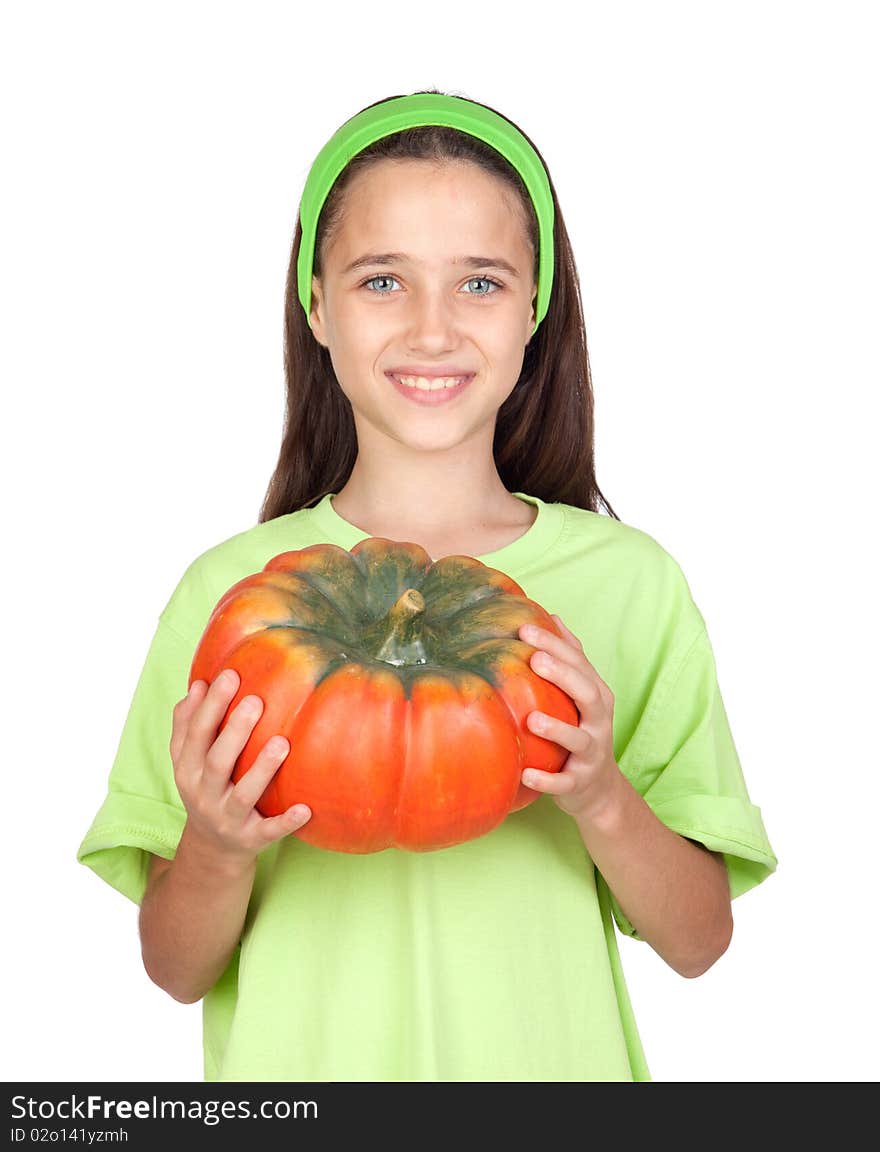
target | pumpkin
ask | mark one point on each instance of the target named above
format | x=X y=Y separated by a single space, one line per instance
x=401 y=685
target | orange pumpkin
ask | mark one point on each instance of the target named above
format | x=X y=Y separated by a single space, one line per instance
x=401 y=685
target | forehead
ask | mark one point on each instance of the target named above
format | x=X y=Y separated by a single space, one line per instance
x=427 y=206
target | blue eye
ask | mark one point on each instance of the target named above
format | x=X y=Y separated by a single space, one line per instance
x=372 y=280
x=383 y=276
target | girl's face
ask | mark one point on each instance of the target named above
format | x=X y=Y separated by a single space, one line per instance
x=424 y=305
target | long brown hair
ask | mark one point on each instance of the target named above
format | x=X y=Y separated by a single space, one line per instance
x=543 y=443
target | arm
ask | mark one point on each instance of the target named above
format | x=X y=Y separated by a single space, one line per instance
x=673 y=890
x=191 y=918
x=194 y=906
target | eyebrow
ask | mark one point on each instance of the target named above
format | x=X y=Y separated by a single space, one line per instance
x=402 y=258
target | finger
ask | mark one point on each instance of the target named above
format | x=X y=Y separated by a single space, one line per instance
x=187 y=763
x=575 y=643
x=272 y=828
x=604 y=688
x=205 y=720
x=580 y=683
x=567 y=631
x=549 y=642
x=553 y=783
x=569 y=635
x=181 y=718
x=227 y=747
x=551 y=728
x=256 y=780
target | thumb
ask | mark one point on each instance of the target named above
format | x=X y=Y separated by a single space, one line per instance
x=274 y=827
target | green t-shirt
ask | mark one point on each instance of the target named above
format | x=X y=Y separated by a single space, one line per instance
x=491 y=960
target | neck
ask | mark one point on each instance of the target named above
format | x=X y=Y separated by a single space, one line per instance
x=436 y=493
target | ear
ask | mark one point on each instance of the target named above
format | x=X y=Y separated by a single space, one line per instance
x=532 y=315
x=316 y=314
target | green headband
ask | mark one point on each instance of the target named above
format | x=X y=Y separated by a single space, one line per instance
x=408 y=112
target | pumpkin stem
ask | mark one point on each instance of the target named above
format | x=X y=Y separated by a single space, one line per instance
x=398 y=635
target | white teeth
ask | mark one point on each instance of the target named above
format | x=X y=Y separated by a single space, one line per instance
x=427 y=385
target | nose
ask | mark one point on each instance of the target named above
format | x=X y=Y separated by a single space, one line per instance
x=432 y=319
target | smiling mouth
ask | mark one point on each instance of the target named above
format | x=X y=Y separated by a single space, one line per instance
x=429 y=383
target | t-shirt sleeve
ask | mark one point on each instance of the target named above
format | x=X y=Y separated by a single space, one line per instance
x=142 y=812
x=682 y=759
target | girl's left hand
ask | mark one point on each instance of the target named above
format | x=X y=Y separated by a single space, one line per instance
x=588 y=776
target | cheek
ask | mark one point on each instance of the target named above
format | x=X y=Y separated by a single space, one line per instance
x=356 y=343
x=506 y=360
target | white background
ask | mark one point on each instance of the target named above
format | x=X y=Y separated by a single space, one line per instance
x=716 y=166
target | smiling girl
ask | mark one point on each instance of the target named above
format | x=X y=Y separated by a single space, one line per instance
x=439 y=392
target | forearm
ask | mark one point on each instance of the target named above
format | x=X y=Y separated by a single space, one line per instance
x=191 y=919
x=675 y=892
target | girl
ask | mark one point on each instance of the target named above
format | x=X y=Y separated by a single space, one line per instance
x=439 y=392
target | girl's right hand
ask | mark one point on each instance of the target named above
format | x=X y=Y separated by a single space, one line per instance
x=221 y=814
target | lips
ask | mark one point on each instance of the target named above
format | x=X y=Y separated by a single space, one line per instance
x=430 y=370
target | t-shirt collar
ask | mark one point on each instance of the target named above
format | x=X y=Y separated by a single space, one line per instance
x=531 y=545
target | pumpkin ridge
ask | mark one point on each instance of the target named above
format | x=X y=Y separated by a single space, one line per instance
x=404 y=770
